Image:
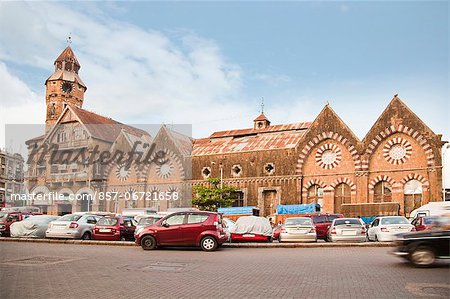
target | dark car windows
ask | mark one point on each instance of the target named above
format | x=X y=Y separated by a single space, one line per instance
x=127 y=222
x=320 y=219
x=196 y=218
x=332 y=217
x=175 y=219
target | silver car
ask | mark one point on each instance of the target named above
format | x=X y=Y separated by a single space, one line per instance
x=32 y=227
x=73 y=226
x=347 y=230
x=298 y=229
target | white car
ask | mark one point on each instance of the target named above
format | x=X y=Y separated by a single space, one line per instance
x=229 y=226
x=385 y=228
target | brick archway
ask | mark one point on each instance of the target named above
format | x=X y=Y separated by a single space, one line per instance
x=380 y=178
x=415 y=176
x=324 y=136
x=372 y=145
x=346 y=181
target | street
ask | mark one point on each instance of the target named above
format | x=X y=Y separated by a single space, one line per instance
x=92 y=271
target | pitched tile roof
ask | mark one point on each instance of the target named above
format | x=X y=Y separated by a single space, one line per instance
x=235 y=141
x=104 y=128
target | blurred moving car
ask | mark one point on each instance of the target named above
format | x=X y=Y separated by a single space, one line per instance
x=347 y=230
x=229 y=226
x=203 y=229
x=433 y=208
x=73 y=226
x=146 y=221
x=252 y=229
x=424 y=222
x=115 y=228
x=385 y=228
x=322 y=223
x=298 y=229
x=422 y=248
x=31 y=227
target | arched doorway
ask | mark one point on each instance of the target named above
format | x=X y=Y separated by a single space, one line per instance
x=412 y=196
x=342 y=195
x=382 y=192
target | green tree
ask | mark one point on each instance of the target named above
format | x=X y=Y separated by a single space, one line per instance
x=214 y=196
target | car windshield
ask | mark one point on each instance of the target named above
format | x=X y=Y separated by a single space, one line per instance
x=346 y=221
x=148 y=220
x=70 y=217
x=320 y=219
x=332 y=217
x=106 y=221
x=394 y=220
x=298 y=221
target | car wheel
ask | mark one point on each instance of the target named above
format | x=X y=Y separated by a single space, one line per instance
x=270 y=240
x=422 y=257
x=86 y=236
x=148 y=243
x=208 y=243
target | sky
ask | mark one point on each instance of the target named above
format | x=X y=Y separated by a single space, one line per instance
x=209 y=63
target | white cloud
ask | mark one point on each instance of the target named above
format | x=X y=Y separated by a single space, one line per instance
x=133 y=75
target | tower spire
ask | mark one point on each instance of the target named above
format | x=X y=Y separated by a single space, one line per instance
x=262 y=105
x=69 y=39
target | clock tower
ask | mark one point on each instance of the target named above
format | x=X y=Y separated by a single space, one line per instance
x=64 y=87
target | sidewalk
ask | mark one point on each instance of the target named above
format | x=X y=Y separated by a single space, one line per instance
x=227 y=245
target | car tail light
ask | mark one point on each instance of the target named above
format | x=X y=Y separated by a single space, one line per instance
x=333 y=231
x=384 y=229
x=363 y=231
x=73 y=225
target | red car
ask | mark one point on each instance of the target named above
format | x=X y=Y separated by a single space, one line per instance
x=114 y=229
x=8 y=218
x=203 y=229
x=423 y=222
x=252 y=229
x=322 y=222
x=276 y=232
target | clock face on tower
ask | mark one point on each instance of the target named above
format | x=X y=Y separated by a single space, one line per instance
x=66 y=87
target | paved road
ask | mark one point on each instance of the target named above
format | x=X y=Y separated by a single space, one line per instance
x=34 y=270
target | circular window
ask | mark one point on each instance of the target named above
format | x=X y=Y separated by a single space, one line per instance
x=328 y=156
x=397 y=150
x=122 y=172
x=164 y=170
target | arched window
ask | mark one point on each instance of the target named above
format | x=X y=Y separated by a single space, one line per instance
x=412 y=196
x=382 y=192
x=342 y=195
x=315 y=194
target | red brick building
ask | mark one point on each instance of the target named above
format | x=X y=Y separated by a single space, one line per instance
x=399 y=160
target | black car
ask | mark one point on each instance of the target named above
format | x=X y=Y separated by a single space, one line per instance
x=424 y=247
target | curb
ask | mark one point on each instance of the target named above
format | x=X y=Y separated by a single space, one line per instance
x=227 y=245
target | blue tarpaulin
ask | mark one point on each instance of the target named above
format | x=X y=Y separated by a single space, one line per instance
x=368 y=219
x=236 y=211
x=296 y=209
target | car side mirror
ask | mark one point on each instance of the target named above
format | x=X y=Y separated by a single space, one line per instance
x=165 y=224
